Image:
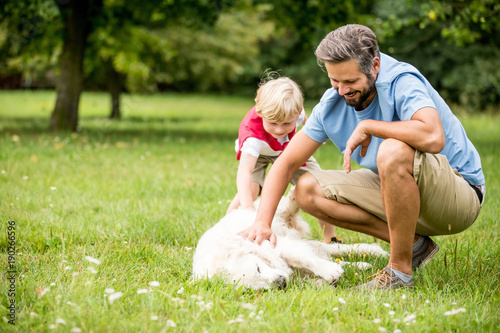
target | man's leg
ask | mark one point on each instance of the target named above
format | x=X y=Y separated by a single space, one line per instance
x=312 y=200
x=396 y=162
x=401 y=199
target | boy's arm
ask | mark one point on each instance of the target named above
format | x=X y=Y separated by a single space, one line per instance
x=300 y=148
x=244 y=180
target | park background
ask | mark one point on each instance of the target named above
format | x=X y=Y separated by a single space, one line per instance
x=117 y=129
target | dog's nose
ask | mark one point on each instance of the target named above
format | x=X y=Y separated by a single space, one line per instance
x=281 y=282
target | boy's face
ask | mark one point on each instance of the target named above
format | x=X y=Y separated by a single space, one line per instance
x=280 y=130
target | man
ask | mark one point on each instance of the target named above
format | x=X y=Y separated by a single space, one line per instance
x=422 y=176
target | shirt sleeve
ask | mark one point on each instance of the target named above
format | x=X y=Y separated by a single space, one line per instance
x=410 y=95
x=314 y=128
x=253 y=146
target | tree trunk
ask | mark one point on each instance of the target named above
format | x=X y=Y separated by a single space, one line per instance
x=114 y=83
x=75 y=15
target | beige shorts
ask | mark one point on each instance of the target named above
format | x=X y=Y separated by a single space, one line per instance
x=259 y=172
x=448 y=204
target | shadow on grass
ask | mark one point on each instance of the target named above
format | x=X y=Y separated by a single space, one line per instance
x=103 y=128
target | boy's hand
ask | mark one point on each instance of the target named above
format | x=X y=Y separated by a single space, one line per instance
x=258 y=233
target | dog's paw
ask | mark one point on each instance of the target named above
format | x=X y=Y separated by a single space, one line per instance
x=370 y=249
x=330 y=272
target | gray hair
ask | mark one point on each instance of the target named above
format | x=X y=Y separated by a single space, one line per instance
x=352 y=41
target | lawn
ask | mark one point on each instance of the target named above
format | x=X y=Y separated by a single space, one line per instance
x=105 y=222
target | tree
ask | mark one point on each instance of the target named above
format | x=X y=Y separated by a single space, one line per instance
x=455 y=43
x=79 y=20
x=76 y=16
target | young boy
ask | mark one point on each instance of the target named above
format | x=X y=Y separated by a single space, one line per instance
x=263 y=135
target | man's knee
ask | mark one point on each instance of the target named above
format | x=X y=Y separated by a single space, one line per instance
x=306 y=189
x=393 y=155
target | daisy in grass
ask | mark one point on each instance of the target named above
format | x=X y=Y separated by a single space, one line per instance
x=114 y=296
x=93 y=260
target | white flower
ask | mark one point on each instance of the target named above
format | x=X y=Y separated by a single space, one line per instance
x=237 y=320
x=248 y=306
x=171 y=323
x=410 y=318
x=335 y=309
x=454 y=312
x=52 y=326
x=341 y=300
x=71 y=303
x=76 y=330
x=392 y=313
x=154 y=317
x=109 y=290
x=113 y=297
x=60 y=321
x=377 y=321
x=382 y=329
x=67 y=268
x=154 y=284
x=93 y=260
x=403 y=296
x=180 y=291
x=75 y=274
x=387 y=305
x=53 y=188
x=178 y=300
x=92 y=270
x=427 y=301
x=33 y=314
x=187 y=248
x=397 y=330
x=25 y=177
x=142 y=291
x=52 y=284
x=44 y=291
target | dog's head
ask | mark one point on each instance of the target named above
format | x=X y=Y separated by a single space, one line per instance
x=257 y=269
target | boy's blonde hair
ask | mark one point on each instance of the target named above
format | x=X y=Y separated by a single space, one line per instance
x=278 y=99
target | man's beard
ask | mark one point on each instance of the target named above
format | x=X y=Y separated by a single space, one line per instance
x=364 y=95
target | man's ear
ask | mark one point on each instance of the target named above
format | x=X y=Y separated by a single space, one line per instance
x=375 y=66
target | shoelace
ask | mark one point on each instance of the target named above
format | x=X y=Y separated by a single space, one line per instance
x=382 y=278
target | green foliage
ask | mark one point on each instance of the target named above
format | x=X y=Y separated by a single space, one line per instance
x=29 y=38
x=454 y=43
x=218 y=57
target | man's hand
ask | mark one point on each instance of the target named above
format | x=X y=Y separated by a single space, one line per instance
x=259 y=232
x=358 y=138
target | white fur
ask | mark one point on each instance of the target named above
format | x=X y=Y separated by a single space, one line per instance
x=244 y=263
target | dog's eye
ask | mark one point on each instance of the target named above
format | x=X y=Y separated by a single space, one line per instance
x=258 y=269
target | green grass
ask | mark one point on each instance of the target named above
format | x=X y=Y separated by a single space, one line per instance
x=137 y=195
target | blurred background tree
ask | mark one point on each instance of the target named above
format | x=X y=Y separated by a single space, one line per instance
x=225 y=46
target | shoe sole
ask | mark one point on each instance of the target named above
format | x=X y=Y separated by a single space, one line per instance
x=430 y=256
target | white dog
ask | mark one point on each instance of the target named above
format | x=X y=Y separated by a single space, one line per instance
x=244 y=263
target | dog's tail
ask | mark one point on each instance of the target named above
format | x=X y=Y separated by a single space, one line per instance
x=290 y=208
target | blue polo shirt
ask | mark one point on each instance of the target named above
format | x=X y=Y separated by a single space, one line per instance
x=401 y=91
